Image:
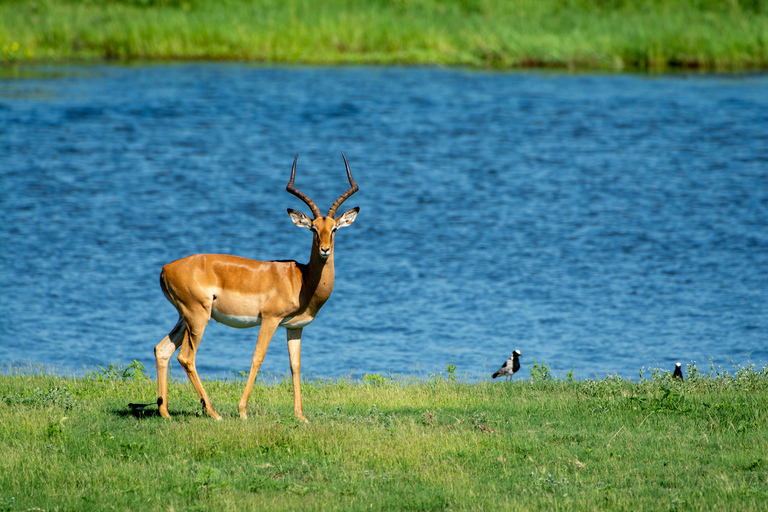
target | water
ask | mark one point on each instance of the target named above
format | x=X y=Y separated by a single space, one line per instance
x=598 y=222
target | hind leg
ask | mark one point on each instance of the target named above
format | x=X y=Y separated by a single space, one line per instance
x=163 y=352
x=196 y=323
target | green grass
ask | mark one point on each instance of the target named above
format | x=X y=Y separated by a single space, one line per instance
x=613 y=34
x=388 y=444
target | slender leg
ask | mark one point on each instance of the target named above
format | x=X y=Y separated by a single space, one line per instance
x=294 y=353
x=194 y=333
x=266 y=331
x=163 y=352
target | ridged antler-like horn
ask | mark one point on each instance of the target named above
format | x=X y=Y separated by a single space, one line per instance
x=343 y=197
x=301 y=195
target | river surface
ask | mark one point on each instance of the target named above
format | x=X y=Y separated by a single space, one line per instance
x=603 y=223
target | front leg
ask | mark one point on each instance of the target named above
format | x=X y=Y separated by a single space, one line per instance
x=266 y=331
x=294 y=353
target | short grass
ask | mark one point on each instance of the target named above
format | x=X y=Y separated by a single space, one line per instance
x=613 y=34
x=388 y=443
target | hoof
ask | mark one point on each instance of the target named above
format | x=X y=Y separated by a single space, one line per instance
x=213 y=414
x=162 y=408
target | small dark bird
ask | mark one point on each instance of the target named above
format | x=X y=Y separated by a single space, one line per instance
x=138 y=407
x=678 y=372
x=510 y=366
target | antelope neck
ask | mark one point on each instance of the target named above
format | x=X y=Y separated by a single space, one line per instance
x=320 y=274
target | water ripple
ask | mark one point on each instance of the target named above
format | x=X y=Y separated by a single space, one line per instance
x=602 y=222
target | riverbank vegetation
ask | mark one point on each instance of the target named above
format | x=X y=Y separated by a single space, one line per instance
x=388 y=443
x=612 y=34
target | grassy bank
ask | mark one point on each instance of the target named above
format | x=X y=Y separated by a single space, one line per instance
x=389 y=444
x=615 y=34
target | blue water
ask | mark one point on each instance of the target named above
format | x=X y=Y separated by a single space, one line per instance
x=604 y=223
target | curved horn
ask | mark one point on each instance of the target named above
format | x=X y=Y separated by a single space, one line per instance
x=343 y=197
x=301 y=195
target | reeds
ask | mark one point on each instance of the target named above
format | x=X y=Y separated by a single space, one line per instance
x=613 y=34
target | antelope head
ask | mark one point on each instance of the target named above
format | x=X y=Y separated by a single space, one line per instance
x=323 y=227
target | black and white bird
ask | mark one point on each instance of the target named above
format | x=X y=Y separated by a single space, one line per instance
x=510 y=366
x=678 y=372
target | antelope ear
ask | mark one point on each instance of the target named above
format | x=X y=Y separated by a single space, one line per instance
x=300 y=219
x=347 y=218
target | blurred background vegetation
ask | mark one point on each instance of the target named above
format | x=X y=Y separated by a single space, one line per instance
x=609 y=34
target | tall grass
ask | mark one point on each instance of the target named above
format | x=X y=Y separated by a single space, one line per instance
x=389 y=443
x=717 y=34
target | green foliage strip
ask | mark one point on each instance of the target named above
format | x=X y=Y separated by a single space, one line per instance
x=612 y=34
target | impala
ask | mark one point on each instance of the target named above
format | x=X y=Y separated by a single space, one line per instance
x=240 y=292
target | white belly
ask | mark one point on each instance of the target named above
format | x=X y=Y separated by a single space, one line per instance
x=244 y=322
x=240 y=322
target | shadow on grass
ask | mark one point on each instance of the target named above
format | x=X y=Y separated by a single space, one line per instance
x=149 y=411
